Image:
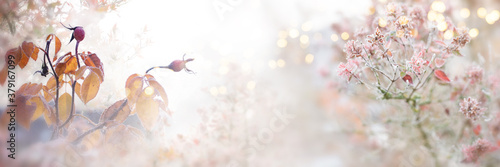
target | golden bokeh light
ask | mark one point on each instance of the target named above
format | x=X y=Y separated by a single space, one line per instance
x=272 y=64
x=442 y=26
x=382 y=22
x=282 y=43
x=214 y=91
x=464 y=12
x=304 y=39
x=293 y=33
x=440 y=17
x=371 y=10
x=309 y=58
x=307 y=26
x=283 y=34
x=344 y=36
x=432 y=15
x=149 y=91
x=492 y=17
x=281 y=63
x=473 y=32
x=481 y=12
x=448 y=34
x=438 y=6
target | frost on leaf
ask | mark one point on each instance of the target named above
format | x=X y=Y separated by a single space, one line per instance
x=145 y=97
x=117 y=112
x=441 y=76
x=64 y=107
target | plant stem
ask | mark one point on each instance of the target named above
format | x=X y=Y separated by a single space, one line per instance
x=155 y=68
x=76 y=53
x=101 y=125
x=56 y=101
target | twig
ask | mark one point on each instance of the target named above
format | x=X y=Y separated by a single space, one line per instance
x=101 y=125
x=47 y=47
x=87 y=118
x=156 y=67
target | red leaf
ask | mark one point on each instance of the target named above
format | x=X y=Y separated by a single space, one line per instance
x=407 y=78
x=441 y=75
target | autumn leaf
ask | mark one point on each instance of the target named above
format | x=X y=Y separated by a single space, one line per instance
x=16 y=52
x=90 y=87
x=159 y=90
x=64 y=106
x=24 y=59
x=133 y=88
x=147 y=110
x=41 y=106
x=120 y=115
x=29 y=50
x=58 y=45
x=92 y=60
x=441 y=75
x=66 y=65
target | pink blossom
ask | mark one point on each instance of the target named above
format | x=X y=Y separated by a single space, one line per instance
x=470 y=108
x=473 y=152
x=417 y=63
x=346 y=70
x=353 y=48
x=475 y=74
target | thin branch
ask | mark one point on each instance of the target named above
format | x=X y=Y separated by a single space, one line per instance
x=101 y=125
x=87 y=118
x=156 y=68
x=47 y=47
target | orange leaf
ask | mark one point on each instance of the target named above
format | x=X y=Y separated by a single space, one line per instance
x=30 y=50
x=50 y=89
x=90 y=87
x=3 y=75
x=66 y=66
x=79 y=73
x=159 y=89
x=441 y=75
x=91 y=59
x=64 y=106
x=99 y=72
x=121 y=115
x=16 y=52
x=147 y=110
x=58 y=45
x=49 y=116
x=41 y=107
x=133 y=88
x=78 y=90
x=24 y=60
